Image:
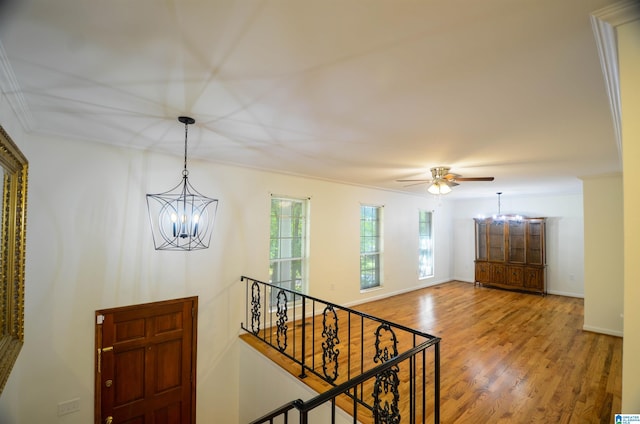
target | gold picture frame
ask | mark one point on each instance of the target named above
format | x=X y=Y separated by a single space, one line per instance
x=12 y=253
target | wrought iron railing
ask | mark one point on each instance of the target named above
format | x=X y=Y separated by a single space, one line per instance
x=379 y=371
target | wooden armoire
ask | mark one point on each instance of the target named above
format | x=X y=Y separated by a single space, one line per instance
x=510 y=253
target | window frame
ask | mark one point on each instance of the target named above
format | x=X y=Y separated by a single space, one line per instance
x=428 y=250
x=303 y=268
x=378 y=252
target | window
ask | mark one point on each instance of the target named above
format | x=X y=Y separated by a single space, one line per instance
x=288 y=243
x=370 y=246
x=425 y=244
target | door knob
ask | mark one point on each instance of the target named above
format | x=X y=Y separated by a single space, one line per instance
x=109 y=420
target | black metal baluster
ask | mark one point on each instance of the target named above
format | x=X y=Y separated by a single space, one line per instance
x=281 y=323
x=349 y=346
x=362 y=354
x=304 y=339
x=355 y=404
x=246 y=303
x=436 y=382
x=313 y=334
x=424 y=386
x=412 y=390
x=329 y=351
x=386 y=397
x=255 y=308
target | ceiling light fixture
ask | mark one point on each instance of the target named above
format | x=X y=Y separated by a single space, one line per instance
x=502 y=217
x=439 y=184
x=442 y=181
x=439 y=187
x=181 y=218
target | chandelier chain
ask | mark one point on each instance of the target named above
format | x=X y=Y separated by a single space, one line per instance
x=185 y=172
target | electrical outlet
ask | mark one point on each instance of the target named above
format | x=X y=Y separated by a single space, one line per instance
x=69 y=406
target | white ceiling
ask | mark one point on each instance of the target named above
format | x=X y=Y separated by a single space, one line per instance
x=364 y=92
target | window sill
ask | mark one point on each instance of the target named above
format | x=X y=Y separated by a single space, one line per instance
x=371 y=289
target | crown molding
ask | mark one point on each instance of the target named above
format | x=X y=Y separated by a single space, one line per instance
x=604 y=22
x=11 y=89
x=619 y=13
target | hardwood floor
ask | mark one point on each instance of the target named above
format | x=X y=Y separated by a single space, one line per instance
x=508 y=357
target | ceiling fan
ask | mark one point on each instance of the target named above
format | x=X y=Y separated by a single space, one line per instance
x=442 y=180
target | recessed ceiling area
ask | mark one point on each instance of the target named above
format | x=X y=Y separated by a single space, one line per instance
x=359 y=92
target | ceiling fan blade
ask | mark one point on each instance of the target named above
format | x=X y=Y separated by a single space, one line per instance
x=451 y=176
x=475 y=179
x=416 y=183
x=451 y=183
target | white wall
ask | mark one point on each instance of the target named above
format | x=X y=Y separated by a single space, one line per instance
x=603 y=254
x=564 y=236
x=89 y=247
x=265 y=386
x=629 y=62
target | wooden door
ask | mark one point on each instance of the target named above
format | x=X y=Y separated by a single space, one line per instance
x=146 y=363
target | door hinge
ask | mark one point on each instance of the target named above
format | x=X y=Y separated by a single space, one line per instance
x=99 y=319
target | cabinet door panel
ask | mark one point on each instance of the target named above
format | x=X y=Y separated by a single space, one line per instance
x=481 y=240
x=498 y=274
x=482 y=272
x=517 y=241
x=535 y=242
x=496 y=241
x=533 y=278
x=515 y=276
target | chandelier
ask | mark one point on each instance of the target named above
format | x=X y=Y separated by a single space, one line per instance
x=502 y=217
x=181 y=218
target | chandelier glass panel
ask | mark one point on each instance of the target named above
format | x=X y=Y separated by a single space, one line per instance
x=182 y=218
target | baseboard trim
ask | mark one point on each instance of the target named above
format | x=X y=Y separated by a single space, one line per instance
x=603 y=331
x=567 y=294
x=395 y=293
x=432 y=283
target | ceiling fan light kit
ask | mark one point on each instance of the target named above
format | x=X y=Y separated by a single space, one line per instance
x=443 y=181
x=439 y=187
